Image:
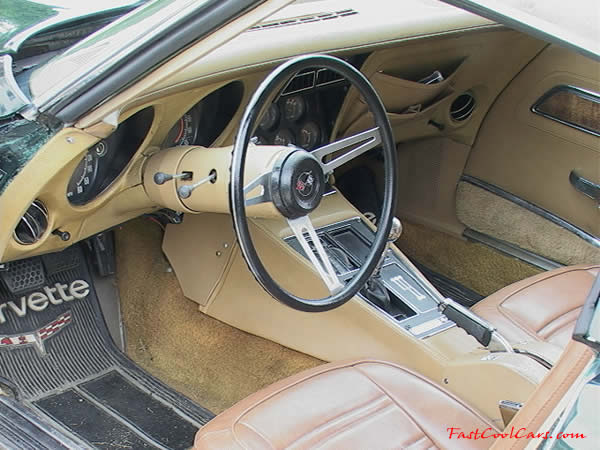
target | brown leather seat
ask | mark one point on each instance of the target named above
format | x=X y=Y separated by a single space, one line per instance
x=544 y=307
x=354 y=405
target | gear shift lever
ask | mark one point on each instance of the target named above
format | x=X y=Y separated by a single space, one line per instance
x=374 y=290
x=395 y=233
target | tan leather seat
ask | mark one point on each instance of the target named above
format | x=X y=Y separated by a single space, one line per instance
x=544 y=307
x=362 y=404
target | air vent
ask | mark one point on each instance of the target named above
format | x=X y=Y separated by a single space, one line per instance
x=32 y=225
x=318 y=17
x=310 y=79
x=462 y=107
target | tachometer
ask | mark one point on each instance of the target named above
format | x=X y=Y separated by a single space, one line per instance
x=185 y=130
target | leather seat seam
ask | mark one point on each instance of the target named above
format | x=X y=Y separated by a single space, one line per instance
x=341 y=415
x=534 y=333
x=350 y=364
x=412 y=419
x=548 y=276
x=434 y=386
x=348 y=425
x=406 y=447
x=569 y=323
x=253 y=429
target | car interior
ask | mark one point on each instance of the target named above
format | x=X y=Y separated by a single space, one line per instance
x=476 y=201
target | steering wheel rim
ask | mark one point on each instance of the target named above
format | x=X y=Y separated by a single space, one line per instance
x=264 y=93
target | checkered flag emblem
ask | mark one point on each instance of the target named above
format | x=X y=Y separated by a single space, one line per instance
x=37 y=337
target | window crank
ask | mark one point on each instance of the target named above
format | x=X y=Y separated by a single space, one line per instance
x=186 y=190
x=162 y=178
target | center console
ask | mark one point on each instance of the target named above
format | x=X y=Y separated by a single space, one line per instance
x=412 y=303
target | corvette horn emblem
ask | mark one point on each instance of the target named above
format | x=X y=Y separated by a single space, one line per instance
x=37 y=337
x=305 y=183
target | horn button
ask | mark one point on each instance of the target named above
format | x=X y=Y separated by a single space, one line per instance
x=298 y=184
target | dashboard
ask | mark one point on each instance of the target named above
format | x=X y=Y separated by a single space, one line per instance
x=93 y=184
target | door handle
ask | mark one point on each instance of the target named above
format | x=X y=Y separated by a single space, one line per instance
x=586 y=187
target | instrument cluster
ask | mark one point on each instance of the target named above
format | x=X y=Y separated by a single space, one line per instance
x=299 y=119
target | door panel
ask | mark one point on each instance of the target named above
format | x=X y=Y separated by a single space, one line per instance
x=532 y=156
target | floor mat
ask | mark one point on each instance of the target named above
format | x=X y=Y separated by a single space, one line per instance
x=211 y=362
x=56 y=353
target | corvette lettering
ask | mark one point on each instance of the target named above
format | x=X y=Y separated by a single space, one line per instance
x=40 y=300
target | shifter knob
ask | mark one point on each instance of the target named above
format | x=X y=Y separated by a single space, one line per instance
x=395 y=230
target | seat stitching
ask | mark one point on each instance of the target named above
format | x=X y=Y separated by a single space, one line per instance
x=341 y=416
x=349 y=365
x=286 y=387
x=348 y=425
x=410 y=417
x=549 y=276
x=530 y=330
x=416 y=442
x=432 y=385
x=261 y=435
x=567 y=324
x=503 y=311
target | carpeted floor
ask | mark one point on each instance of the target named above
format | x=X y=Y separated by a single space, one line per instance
x=474 y=265
x=213 y=363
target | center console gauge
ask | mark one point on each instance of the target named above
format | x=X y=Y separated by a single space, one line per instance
x=284 y=137
x=309 y=136
x=270 y=118
x=294 y=108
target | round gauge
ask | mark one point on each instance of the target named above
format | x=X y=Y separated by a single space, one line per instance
x=85 y=174
x=270 y=118
x=185 y=130
x=309 y=136
x=283 y=137
x=259 y=140
x=294 y=107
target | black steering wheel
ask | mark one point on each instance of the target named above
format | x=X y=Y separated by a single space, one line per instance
x=296 y=184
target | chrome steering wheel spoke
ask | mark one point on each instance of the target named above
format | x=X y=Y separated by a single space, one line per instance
x=261 y=181
x=305 y=233
x=362 y=143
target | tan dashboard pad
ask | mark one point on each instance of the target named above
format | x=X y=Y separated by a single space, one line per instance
x=474 y=62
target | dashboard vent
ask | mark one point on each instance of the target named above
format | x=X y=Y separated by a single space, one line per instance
x=462 y=107
x=32 y=225
x=319 y=17
x=310 y=79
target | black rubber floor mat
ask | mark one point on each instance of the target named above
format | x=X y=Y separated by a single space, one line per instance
x=450 y=288
x=56 y=353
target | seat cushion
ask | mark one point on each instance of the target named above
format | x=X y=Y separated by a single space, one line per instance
x=544 y=307
x=355 y=405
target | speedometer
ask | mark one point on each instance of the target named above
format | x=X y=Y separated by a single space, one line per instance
x=85 y=174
